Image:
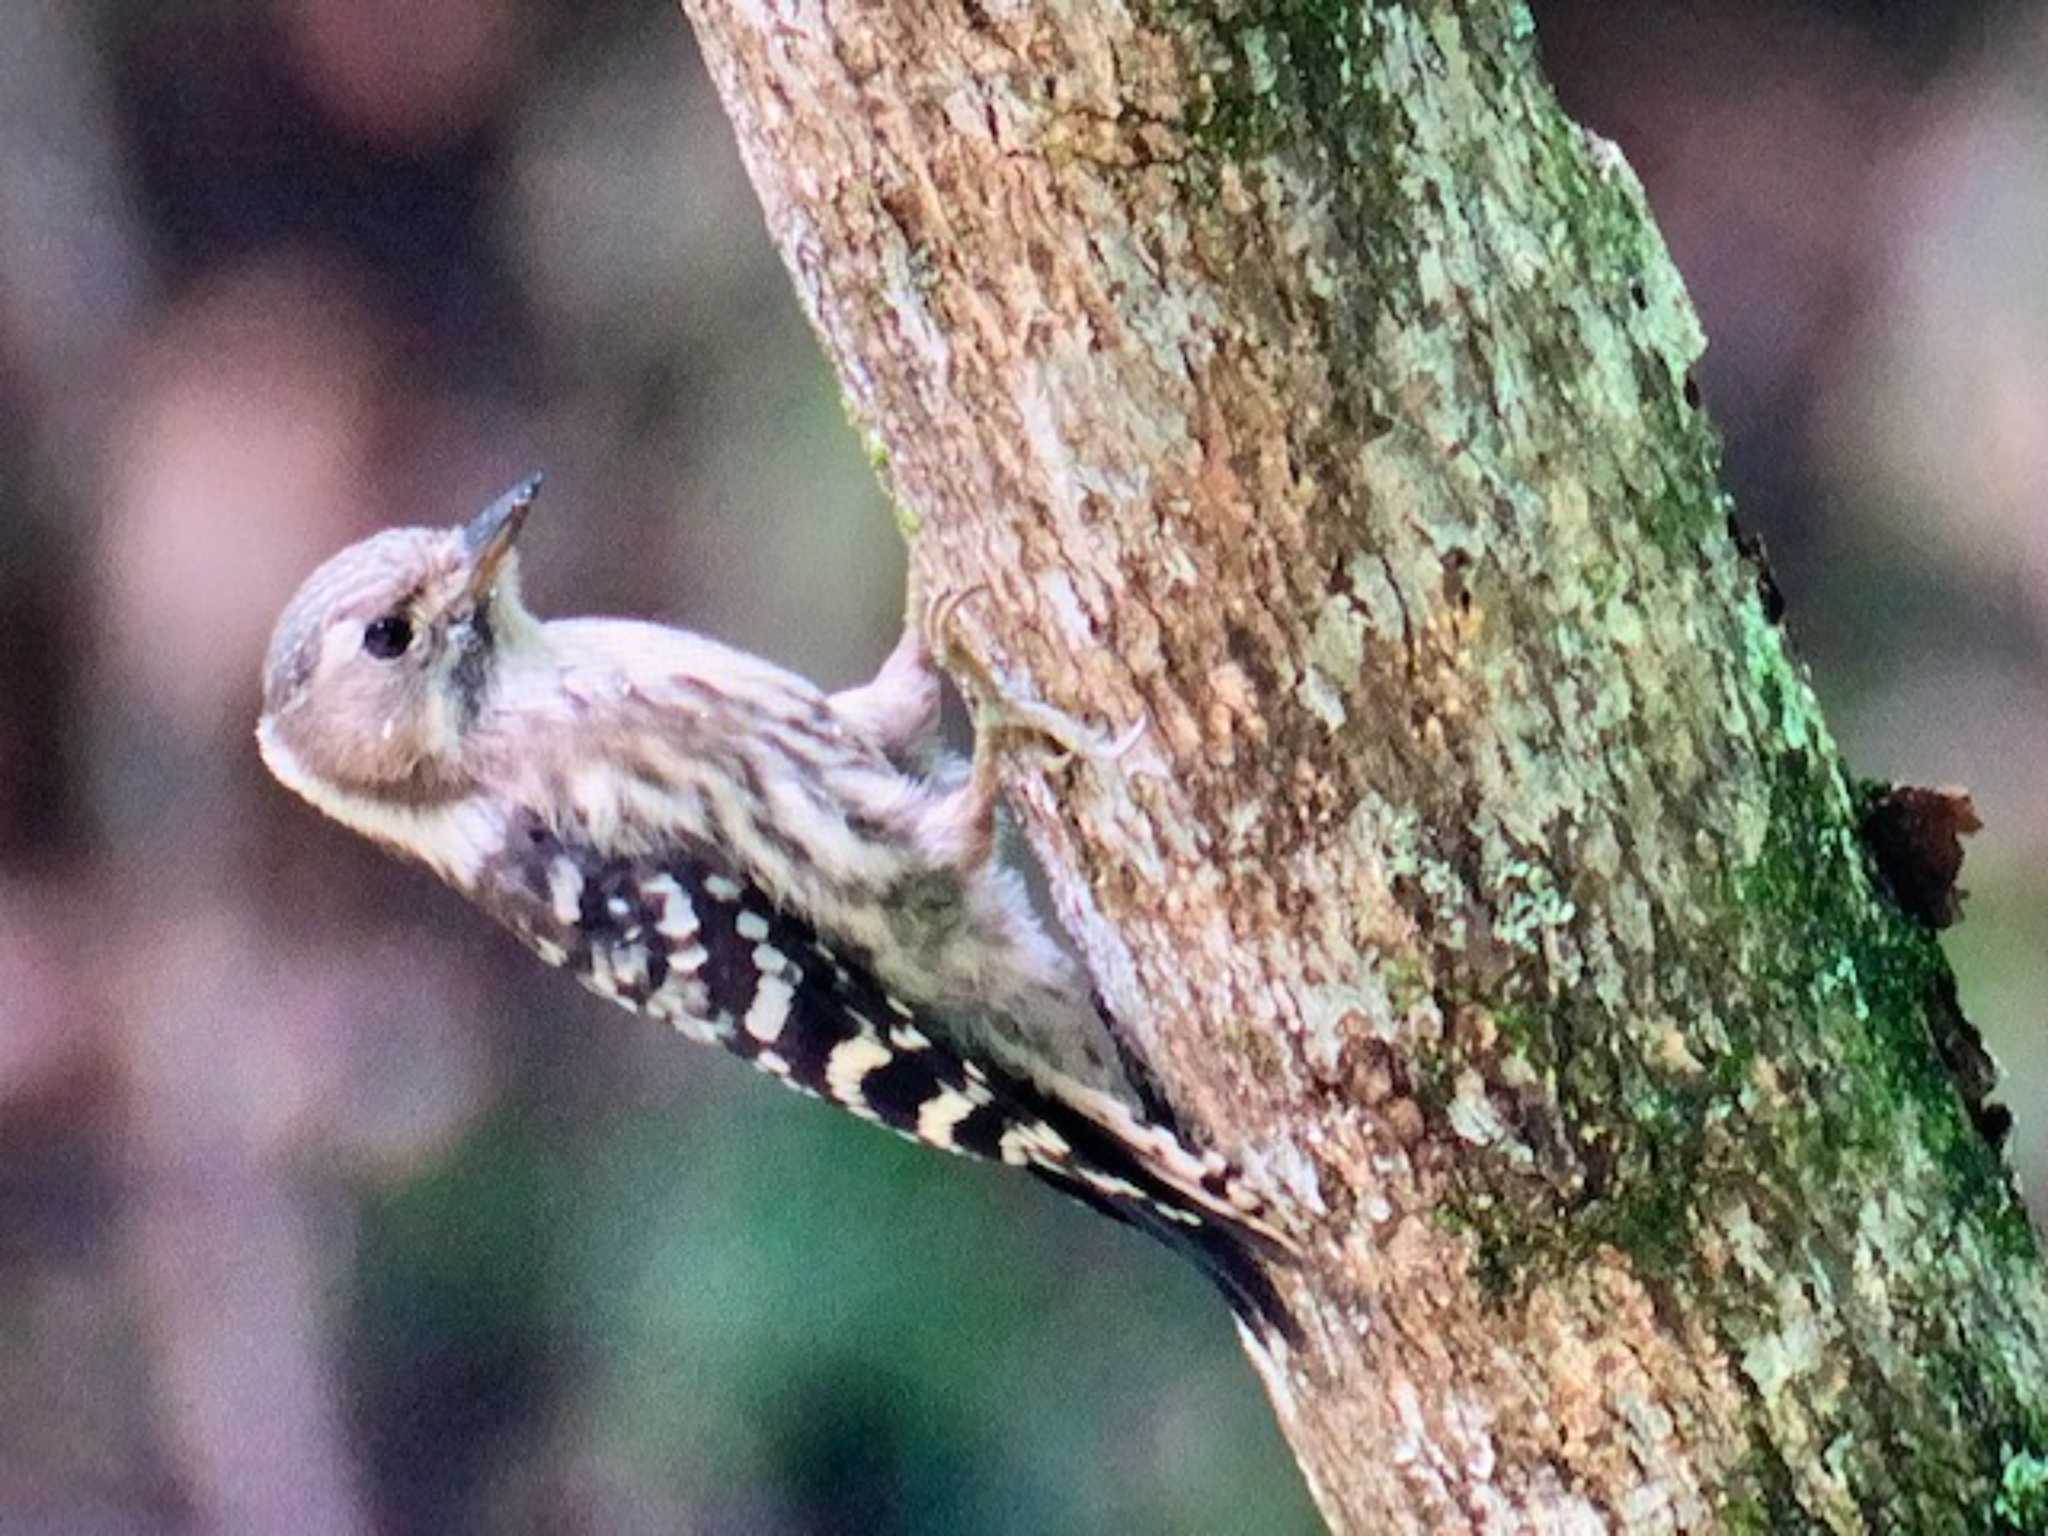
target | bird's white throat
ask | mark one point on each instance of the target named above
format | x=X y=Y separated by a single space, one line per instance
x=451 y=837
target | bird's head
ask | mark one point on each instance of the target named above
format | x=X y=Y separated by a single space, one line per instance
x=381 y=663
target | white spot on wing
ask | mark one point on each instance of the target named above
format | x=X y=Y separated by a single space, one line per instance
x=687 y=1008
x=770 y=1010
x=851 y=1061
x=565 y=890
x=1110 y=1184
x=629 y=964
x=677 y=919
x=939 y=1114
x=751 y=926
x=723 y=887
x=1033 y=1142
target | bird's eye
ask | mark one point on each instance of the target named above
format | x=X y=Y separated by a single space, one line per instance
x=388 y=638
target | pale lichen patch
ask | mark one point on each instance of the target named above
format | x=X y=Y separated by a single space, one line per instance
x=1794 y=1348
x=1336 y=651
x=1335 y=1013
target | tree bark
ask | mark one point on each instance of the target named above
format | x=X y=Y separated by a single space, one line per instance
x=1298 y=379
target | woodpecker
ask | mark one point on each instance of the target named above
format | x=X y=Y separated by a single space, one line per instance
x=708 y=839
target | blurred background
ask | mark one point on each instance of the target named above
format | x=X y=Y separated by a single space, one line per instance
x=321 y=1208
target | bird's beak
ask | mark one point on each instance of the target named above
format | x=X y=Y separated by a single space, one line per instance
x=489 y=536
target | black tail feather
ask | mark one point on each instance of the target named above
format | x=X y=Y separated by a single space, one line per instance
x=1234 y=1258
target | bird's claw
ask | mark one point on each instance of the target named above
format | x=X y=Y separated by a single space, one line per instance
x=999 y=713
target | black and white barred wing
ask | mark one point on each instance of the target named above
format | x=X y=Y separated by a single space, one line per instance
x=682 y=937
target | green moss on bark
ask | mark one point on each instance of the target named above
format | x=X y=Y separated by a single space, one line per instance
x=2023 y=1491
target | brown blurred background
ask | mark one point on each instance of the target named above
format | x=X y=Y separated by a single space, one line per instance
x=321 y=1208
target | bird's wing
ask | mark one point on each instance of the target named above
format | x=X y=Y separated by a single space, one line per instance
x=679 y=933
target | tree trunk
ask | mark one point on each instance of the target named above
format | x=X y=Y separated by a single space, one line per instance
x=1298 y=379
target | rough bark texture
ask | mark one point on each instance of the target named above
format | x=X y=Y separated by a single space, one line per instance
x=1298 y=378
